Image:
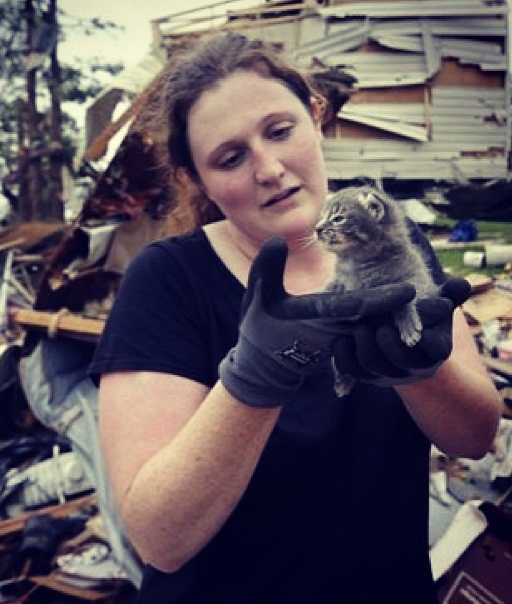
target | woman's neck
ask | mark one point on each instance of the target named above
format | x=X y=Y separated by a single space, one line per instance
x=309 y=266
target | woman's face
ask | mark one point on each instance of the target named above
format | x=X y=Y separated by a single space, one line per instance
x=258 y=154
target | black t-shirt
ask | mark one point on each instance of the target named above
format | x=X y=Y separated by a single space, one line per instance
x=337 y=509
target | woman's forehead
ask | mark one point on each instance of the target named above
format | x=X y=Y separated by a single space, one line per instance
x=239 y=100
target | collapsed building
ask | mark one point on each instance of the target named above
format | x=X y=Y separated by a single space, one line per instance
x=420 y=89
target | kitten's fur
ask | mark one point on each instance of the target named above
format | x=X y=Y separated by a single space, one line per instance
x=368 y=232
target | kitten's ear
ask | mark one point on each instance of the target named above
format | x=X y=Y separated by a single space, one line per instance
x=378 y=185
x=374 y=205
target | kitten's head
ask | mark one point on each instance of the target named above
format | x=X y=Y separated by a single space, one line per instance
x=356 y=217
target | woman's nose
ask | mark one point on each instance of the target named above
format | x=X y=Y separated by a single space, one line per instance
x=268 y=169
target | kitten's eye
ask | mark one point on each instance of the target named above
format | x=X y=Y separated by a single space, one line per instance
x=338 y=219
x=376 y=209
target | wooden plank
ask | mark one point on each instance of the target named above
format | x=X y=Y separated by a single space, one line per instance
x=58 y=322
x=55 y=582
x=16 y=524
x=13 y=243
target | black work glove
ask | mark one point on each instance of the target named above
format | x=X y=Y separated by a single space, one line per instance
x=375 y=353
x=282 y=337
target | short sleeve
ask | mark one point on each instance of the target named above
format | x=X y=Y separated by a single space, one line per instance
x=163 y=319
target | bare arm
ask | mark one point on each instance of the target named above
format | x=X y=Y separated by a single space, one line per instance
x=179 y=457
x=459 y=408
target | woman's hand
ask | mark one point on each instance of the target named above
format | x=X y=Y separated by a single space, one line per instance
x=373 y=352
x=282 y=336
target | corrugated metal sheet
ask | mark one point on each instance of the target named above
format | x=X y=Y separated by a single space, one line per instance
x=475 y=27
x=337 y=150
x=377 y=70
x=474 y=49
x=416 y=9
x=347 y=37
x=402 y=128
x=423 y=45
x=489 y=57
x=442 y=149
x=410 y=112
x=467 y=130
x=407 y=168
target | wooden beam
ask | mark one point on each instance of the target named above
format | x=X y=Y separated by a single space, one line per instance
x=60 y=322
x=16 y=524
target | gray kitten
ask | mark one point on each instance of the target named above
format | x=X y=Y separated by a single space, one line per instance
x=367 y=230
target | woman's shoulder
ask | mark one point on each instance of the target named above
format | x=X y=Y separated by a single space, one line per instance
x=177 y=250
x=176 y=261
x=183 y=243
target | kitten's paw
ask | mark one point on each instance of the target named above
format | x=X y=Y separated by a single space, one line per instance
x=411 y=336
x=343 y=384
x=409 y=325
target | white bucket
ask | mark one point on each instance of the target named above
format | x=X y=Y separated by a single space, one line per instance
x=473 y=258
x=498 y=254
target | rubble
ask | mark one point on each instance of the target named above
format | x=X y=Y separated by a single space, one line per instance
x=52 y=415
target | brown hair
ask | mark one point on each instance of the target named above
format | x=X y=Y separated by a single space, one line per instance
x=201 y=70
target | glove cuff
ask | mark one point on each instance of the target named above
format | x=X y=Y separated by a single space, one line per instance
x=255 y=379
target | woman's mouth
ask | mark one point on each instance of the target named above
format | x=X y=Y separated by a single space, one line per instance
x=281 y=197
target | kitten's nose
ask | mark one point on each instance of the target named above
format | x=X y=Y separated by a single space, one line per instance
x=320 y=224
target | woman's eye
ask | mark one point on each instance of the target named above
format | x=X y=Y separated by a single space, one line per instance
x=281 y=131
x=230 y=160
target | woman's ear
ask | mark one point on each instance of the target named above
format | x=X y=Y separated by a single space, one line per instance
x=188 y=179
x=317 y=112
x=202 y=189
x=183 y=176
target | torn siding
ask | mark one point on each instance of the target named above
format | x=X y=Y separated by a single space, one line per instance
x=431 y=95
x=463 y=132
x=414 y=8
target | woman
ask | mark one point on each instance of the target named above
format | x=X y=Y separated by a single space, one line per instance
x=262 y=486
